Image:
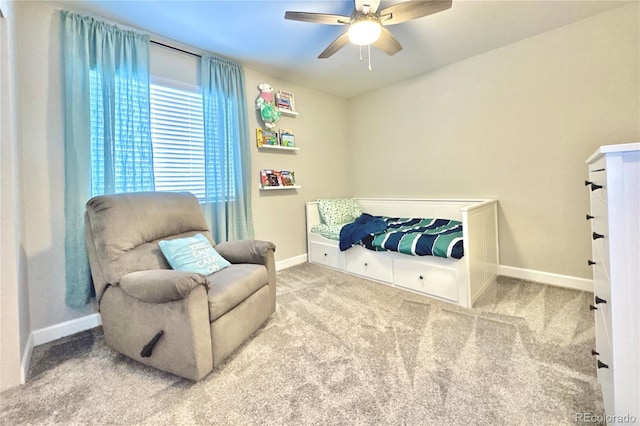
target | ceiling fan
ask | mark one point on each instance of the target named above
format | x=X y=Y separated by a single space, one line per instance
x=367 y=24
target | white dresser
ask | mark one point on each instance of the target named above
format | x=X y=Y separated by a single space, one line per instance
x=614 y=187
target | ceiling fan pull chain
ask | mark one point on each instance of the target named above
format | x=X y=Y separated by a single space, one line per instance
x=360 y=53
x=369 y=55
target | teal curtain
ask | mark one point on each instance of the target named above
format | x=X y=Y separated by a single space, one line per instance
x=107 y=129
x=227 y=204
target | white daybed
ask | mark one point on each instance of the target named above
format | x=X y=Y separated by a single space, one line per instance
x=459 y=281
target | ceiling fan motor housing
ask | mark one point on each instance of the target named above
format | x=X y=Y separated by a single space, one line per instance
x=364 y=29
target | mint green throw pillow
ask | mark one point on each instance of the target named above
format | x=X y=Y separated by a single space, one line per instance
x=193 y=254
x=338 y=210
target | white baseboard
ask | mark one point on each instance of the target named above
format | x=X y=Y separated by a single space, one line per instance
x=558 y=280
x=67 y=328
x=292 y=261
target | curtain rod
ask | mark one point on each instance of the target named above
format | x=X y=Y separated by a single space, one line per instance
x=175 y=48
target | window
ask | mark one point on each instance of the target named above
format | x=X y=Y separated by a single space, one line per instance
x=177 y=138
x=177 y=134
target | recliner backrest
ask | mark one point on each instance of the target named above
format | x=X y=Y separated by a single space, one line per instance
x=123 y=231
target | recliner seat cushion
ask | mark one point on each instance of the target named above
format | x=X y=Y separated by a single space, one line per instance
x=233 y=285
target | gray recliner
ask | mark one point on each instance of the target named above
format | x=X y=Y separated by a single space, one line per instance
x=181 y=322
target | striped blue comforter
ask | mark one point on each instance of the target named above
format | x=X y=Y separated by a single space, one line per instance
x=418 y=237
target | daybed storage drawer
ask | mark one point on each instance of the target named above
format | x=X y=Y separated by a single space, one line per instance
x=431 y=279
x=371 y=264
x=327 y=255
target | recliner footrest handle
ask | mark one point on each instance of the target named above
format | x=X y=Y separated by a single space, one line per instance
x=147 y=350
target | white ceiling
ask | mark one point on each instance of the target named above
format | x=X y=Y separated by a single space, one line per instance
x=255 y=34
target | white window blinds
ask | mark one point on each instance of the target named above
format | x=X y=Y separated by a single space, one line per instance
x=177 y=132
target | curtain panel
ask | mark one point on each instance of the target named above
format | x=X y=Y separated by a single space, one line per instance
x=106 y=109
x=227 y=204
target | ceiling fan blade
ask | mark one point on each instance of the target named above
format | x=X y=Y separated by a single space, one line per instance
x=337 y=44
x=388 y=43
x=317 y=18
x=409 y=10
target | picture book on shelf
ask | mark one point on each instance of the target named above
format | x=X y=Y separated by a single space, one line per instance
x=264 y=179
x=285 y=100
x=288 y=178
x=259 y=140
x=266 y=137
x=287 y=138
x=270 y=178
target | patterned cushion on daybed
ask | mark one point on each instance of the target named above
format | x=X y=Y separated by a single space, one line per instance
x=331 y=232
x=338 y=210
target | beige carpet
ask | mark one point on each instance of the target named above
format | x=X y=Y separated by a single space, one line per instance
x=341 y=350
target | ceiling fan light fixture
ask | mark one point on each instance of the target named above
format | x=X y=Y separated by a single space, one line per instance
x=364 y=31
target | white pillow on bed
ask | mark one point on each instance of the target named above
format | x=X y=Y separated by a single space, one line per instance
x=338 y=210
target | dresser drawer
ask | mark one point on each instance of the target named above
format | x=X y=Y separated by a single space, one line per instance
x=598 y=177
x=327 y=255
x=600 y=220
x=603 y=315
x=370 y=264
x=599 y=225
x=602 y=289
x=603 y=342
x=435 y=280
x=605 y=374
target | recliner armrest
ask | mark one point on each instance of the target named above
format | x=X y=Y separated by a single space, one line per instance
x=246 y=251
x=161 y=285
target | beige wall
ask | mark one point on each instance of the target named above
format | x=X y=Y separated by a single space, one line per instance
x=321 y=164
x=517 y=124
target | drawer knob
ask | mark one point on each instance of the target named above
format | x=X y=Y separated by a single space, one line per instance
x=594 y=186
x=592 y=308
x=325 y=254
x=590 y=262
x=421 y=277
x=602 y=364
x=595 y=236
x=366 y=264
x=589 y=217
x=599 y=300
x=594 y=353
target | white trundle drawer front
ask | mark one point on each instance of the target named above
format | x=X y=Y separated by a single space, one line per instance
x=430 y=279
x=369 y=263
x=327 y=255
